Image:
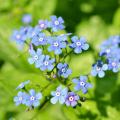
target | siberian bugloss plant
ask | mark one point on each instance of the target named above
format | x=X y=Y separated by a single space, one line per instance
x=48 y=51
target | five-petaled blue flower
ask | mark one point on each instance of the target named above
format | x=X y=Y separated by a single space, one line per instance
x=39 y=39
x=20 y=98
x=72 y=99
x=33 y=99
x=98 y=69
x=59 y=95
x=114 y=65
x=27 y=18
x=57 y=43
x=22 y=85
x=56 y=23
x=47 y=63
x=43 y=24
x=63 y=70
x=36 y=57
x=20 y=36
x=78 y=44
x=81 y=84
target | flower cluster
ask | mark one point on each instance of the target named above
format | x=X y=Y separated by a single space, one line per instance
x=30 y=99
x=48 y=50
x=110 y=57
x=68 y=97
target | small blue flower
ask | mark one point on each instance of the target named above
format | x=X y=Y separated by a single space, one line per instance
x=72 y=99
x=57 y=44
x=33 y=31
x=78 y=44
x=40 y=39
x=63 y=70
x=33 y=99
x=114 y=65
x=36 y=57
x=43 y=24
x=59 y=95
x=20 y=98
x=47 y=63
x=20 y=36
x=56 y=23
x=22 y=85
x=27 y=18
x=98 y=69
x=81 y=84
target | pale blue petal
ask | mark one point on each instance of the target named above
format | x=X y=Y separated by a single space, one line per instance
x=54 y=100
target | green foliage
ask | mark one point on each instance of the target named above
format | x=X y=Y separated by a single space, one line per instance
x=94 y=19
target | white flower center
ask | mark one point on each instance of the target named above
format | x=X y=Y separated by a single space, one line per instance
x=32 y=98
x=18 y=36
x=40 y=39
x=63 y=69
x=35 y=57
x=82 y=83
x=78 y=43
x=98 y=68
x=46 y=63
x=108 y=50
x=42 y=25
x=33 y=34
x=20 y=98
x=57 y=93
x=113 y=64
x=71 y=98
x=56 y=22
x=56 y=44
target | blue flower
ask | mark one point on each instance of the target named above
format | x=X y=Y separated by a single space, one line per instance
x=109 y=45
x=27 y=18
x=78 y=44
x=56 y=23
x=59 y=95
x=40 y=39
x=63 y=70
x=22 y=85
x=98 y=69
x=20 y=36
x=81 y=84
x=33 y=99
x=56 y=44
x=114 y=65
x=72 y=99
x=43 y=24
x=47 y=63
x=36 y=57
x=20 y=98
x=33 y=31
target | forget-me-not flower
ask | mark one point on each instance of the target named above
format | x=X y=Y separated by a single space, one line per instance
x=72 y=99
x=79 y=44
x=57 y=44
x=98 y=69
x=43 y=24
x=47 y=63
x=63 y=70
x=56 y=23
x=33 y=99
x=36 y=57
x=40 y=39
x=20 y=98
x=81 y=84
x=59 y=95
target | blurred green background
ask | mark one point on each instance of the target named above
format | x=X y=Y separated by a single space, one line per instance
x=94 y=19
